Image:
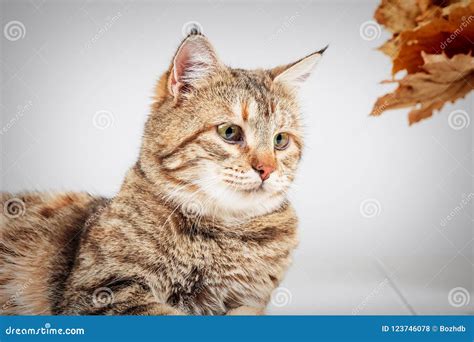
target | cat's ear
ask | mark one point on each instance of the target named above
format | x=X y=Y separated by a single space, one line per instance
x=194 y=61
x=295 y=74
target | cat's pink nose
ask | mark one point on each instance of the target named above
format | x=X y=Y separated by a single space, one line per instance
x=264 y=171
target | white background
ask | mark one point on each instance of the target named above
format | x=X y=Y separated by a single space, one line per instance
x=78 y=58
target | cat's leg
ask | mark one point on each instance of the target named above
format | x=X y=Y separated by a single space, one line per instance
x=148 y=309
x=246 y=311
x=119 y=299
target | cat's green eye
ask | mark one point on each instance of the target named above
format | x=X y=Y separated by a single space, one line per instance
x=230 y=133
x=281 y=141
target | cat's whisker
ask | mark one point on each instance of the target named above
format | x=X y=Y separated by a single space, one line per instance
x=176 y=189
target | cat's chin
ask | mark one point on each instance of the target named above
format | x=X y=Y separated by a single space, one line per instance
x=233 y=214
x=234 y=204
x=249 y=191
x=228 y=205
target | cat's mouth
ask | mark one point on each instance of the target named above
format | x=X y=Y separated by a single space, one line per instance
x=248 y=187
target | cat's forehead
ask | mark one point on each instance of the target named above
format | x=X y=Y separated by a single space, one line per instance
x=252 y=96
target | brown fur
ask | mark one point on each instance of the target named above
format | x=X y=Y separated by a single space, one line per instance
x=144 y=251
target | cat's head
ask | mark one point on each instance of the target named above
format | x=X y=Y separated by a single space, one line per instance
x=224 y=142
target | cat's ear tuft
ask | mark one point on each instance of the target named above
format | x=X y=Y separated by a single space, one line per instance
x=194 y=61
x=295 y=74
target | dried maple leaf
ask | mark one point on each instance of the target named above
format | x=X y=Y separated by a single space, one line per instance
x=402 y=15
x=434 y=8
x=452 y=33
x=433 y=40
x=442 y=80
x=399 y=15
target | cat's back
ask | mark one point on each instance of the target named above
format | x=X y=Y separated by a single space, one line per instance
x=39 y=235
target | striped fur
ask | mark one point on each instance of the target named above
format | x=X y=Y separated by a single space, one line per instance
x=193 y=229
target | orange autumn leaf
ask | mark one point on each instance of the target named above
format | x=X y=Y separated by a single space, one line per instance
x=399 y=15
x=402 y=15
x=452 y=33
x=442 y=80
x=433 y=41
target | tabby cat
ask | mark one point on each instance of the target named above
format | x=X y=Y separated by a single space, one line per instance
x=201 y=224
